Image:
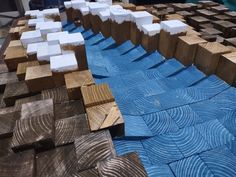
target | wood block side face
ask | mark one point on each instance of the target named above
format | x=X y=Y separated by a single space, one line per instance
x=21 y=68
x=89 y=173
x=135 y=34
x=120 y=32
x=86 y=22
x=5 y=147
x=93 y=148
x=94 y=19
x=106 y=28
x=21 y=101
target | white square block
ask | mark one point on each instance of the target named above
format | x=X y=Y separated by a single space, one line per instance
x=49 y=27
x=84 y=10
x=151 y=29
x=44 y=52
x=141 y=18
x=120 y=15
x=63 y=63
x=34 y=13
x=105 y=15
x=77 y=4
x=174 y=26
x=67 y=4
x=54 y=11
x=54 y=38
x=109 y=2
x=97 y=7
x=75 y=39
x=29 y=37
x=33 y=22
x=33 y=48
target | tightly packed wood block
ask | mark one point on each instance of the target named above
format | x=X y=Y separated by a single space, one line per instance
x=220 y=9
x=96 y=94
x=221 y=17
x=69 y=14
x=3 y=68
x=225 y=27
x=20 y=102
x=106 y=116
x=135 y=34
x=86 y=22
x=21 y=68
x=226 y=68
x=206 y=13
x=93 y=148
x=150 y=43
x=196 y=21
x=94 y=19
x=22 y=22
x=186 y=49
x=67 y=130
x=129 y=6
x=207 y=57
x=106 y=28
x=120 y=32
x=141 y=8
x=160 y=6
x=93 y=172
x=230 y=41
x=76 y=80
x=211 y=31
x=39 y=78
x=59 y=95
x=5 y=147
x=6 y=78
x=15 y=32
x=155 y=19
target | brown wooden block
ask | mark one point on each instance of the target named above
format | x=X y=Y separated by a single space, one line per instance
x=160 y=14
x=69 y=14
x=129 y=6
x=6 y=78
x=2 y=104
x=206 y=13
x=14 y=43
x=150 y=43
x=129 y=165
x=135 y=34
x=93 y=172
x=181 y=6
x=225 y=27
x=21 y=69
x=232 y=15
x=76 y=80
x=37 y=108
x=96 y=94
x=221 y=17
x=186 y=49
x=207 y=57
x=196 y=21
x=106 y=116
x=86 y=22
x=160 y=6
x=93 y=148
x=120 y=32
x=67 y=130
x=226 y=68
x=207 y=3
x=191 y=32
x=94 y=19
x=209 y=37
x=14 y=91
x=220 y=9
x=3 y=68
x=207 y=25
x=185 y=14
x=19 y=102
x=7 y=123
x=18 y=165
x=211 y=31
x=59 y=162
x=22 y=22
x=106 y=28
x=5 y=147
x=59 y=95
x=39 y=78
x=155 y=19
x=34 y=132
x=14 y=56
x=141 y=8
x=230 y=41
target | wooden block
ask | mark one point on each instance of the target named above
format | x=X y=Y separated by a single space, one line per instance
x=94 y=19
x=21 y=69
x=186 y=49
x=15 y=43
x=130 y=165
x=160 y=6
x=19 y=102
x=14 y=91
x=6 y=78
x=181 y=6
x=106 y=116
x=220 y=9
x=207 y=57
x=93 y=172
x=160 y=14
x=206 y=13
x=106 y=28
x=185 y=14
x=211 y=31
x=207 y=25
x=14 y=56
x=59 y=162
x=86 y=22
x=59 y=95
x=230 y=41
x=20 y=165
x=150 y=43
x=5 y=147
x=141 y=8
x=221 y=17
x=225 y=27
x=120 y=32
x=232 y=15
x=22 y=22
x=35 y=132
x=226 y=68
x=7 y=123
x=129 y=6
x=208 y=37
x=135 y=34
x=76 y=80
x=191 y=32
x=69 y=109
x=96 y=94
x=93 y=148
x=37 y=108
x=3 y=68
x=207 y=3
x=155 y=19
x=39 y=78
x=196 y=21
x=67 y=130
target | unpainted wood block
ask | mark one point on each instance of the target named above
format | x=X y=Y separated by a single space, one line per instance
x=21 y=69
x=185 y=13
x=206 y=13
x=106 y=116
x=207 y=57
x=93 y=172
x=208 y=3
x=39 y=78
x=226 y=68
x=160 y=6
x=150 y=43
x=207 y=25
x=5 y=147
x=186 y=49
x=22 y=22
x=141 y=8
x=225 y=27
x=3 y=68
x=20 y=164
x=19 y=102
x=106 y=28
x=155 y=19
x=211 y=31
x=59 y=162
x=76 y=80
x=92 y=148
x=220 y=9
x=135 y=34
x=221 y=17
x=86 y=22
x=69 y=14
x=191 y=32
x=94 y=19
x=68 y=129
x=34 y=132
x=6 y=78
x=196 y=21
x=129 y=6
x=96 y=94
x=120 y=32
x=230 y=41
x=59 y=95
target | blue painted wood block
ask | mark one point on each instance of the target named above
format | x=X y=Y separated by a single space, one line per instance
x=134 y=54
x=160 y=123
x=220 y=161
x=124 y=47
x=214 y=133
x=114 y=82
x=191 y=167
x=232 y=146
x=229 y=122
x=77 y=30
x=99 y=71
x=154 y=74
x=189 y=141
x=69 y=27
x=108 y=42
x=88 y=34
x=170 y=83
x=161 y=150
x=159 y=171
x=184 y=116
x=95 y=39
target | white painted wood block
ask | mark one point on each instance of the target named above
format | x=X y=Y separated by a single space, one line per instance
x=174 y=26
x=151 y=29
x=44 y=52
x=29 y=37
x=54 y=38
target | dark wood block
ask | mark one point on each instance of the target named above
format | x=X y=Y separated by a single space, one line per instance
x=120 y=32
x=185 y=14
x=150 y=43
x=160 y=6
x=18 y=165
x=67 y=130
x=59 y=95
x=225 y=27
x=206 y=13
x=181 y=7
x=160 y=14
x=69 y=14
x=5 y=147
x=76 y=80
x=2 y=104
x=14 y=91
x=59 y=162
x=135 y=34
x=186 y=49
x=207 y=57
x=220 y=9
x=211 y=31
x=196 y=21
x=96 y=94
x=129 y=165
x=106 y=116
x=37 y=108
x=3 y=68
x=89 y=173
x=106 y=28
x=93 y=148
x=206 y=25
x=69 y=109
x=86 y=22
x=21 y=68
x=6 y=78
x=34 y=132
x=221 y=17
x=94 y=19
x=230 y=41
x=226 y=69
x=207 y=3
x=209 y=37
x=20 y=102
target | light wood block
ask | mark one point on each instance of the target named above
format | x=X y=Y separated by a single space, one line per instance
x=59 y=95
x=141 y=8
x=129 y=6
x=21 y=69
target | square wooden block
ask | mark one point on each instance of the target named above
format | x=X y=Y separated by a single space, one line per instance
x=225 y=27
x=150 y=43
x=6 y=78
x=120 y=32
x=96 y=94
x=86 y=21
x=94 y=19
x=230 y=41
x=226 y=69
x=186 y=49
x=93 y=148
x=207 y=57
x=129 y=6
x=196 y=21
x=141 y=8
x=106 y=116
x=67 y=130
x=20 y=102
x=39 y=78
x=106 y=28
x=3 y=68
x=135 y=34
x=206 y=13
x=14 y=91
x=21 y=68
x=59 y=95
x=76 y=80
x=5 y=147
x=35 y=132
